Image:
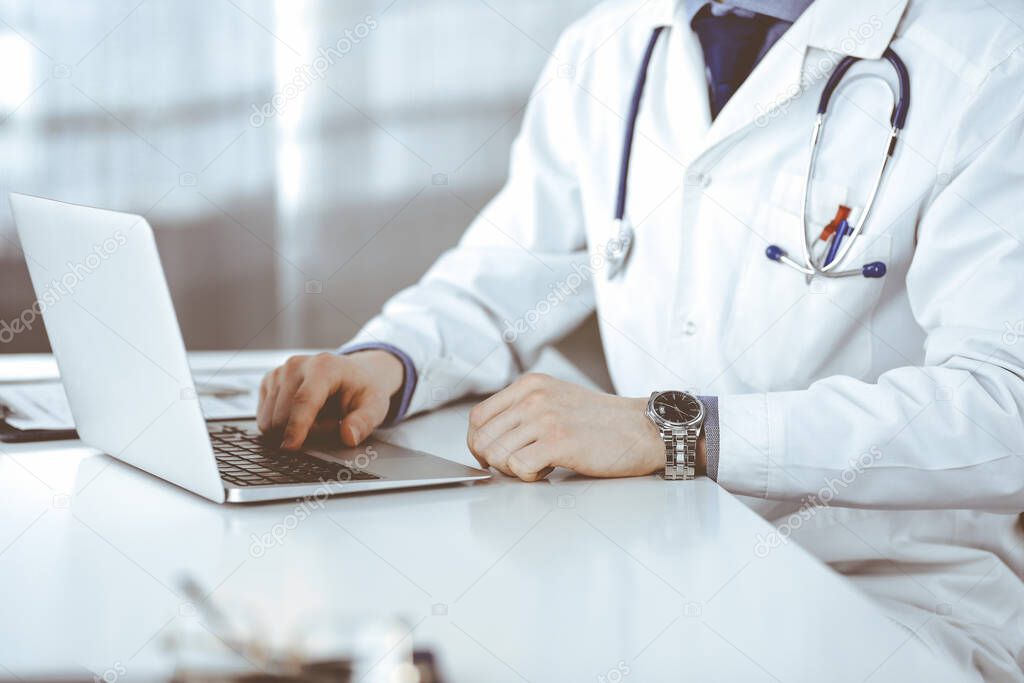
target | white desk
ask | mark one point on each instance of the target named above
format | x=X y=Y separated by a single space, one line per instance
x=565 y=580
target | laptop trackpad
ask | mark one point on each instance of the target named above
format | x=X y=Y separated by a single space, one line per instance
x=394 y=462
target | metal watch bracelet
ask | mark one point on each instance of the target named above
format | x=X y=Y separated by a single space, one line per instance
x=680 y=452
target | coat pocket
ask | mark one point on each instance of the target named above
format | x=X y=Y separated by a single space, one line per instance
x=783 y=332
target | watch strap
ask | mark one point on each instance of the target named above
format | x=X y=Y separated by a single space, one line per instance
x=680 y=452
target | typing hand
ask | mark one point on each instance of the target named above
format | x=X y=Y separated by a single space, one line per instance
x=347 y=395
x=539 y=423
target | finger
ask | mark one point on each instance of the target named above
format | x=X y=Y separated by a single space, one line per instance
x=531 y=463
x=499 y=452
x=287 y=383
x=264 y=384
x=500 y=464
x=487 y=409
x=367 y=410
x=470 y=435
x=306 y=403
x=480 y=460
x=268 y=396
x=484 y=435
x=324 y=426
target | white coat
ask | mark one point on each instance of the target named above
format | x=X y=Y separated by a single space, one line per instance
x=893 y=405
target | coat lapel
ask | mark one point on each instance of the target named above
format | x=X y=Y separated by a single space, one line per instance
x=836 y=27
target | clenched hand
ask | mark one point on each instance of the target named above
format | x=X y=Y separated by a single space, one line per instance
x=539 y=423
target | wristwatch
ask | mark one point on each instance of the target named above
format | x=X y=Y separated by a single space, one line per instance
x=679 y=417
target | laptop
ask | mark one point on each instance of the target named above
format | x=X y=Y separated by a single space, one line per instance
x=104 y=299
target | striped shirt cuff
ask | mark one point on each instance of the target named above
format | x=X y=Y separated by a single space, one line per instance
x=711 y=435
x=400 y=401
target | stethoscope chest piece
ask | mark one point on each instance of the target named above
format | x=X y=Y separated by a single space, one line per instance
x=618 y=248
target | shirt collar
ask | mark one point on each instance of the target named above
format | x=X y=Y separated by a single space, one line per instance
x=860 y=29
x=783 y=10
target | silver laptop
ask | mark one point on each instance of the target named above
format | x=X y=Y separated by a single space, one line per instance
x=103 y=296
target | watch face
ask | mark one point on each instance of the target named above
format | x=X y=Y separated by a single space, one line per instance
x=677 y=407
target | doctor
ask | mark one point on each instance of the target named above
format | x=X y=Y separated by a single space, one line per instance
x=876 y=419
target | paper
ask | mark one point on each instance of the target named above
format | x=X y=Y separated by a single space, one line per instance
x=36 y=406
x=43 y=405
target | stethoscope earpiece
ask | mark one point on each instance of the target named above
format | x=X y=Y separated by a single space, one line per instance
x=875 y=269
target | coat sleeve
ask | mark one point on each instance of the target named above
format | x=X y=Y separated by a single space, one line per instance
x=518 y=279
x=949 y=434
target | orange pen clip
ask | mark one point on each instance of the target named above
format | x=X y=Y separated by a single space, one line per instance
x=842 y=213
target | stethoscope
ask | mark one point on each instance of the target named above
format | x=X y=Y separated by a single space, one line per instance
x=844 y=236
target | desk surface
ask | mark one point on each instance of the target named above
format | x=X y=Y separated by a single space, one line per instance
x=568 y=579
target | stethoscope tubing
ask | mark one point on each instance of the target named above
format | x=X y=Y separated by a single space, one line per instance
x=631 y=119
x=843 y=243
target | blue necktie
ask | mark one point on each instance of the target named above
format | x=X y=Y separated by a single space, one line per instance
x=731 y=45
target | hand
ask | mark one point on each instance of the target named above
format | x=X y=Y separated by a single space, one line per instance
x=347 y=395
x=539 y=423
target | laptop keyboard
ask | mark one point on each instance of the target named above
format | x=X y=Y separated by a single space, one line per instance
x=248 y=459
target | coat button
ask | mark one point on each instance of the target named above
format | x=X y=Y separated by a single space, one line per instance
x=689 y=328
x=699 y=179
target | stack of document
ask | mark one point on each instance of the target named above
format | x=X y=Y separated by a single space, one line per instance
x=44 y=406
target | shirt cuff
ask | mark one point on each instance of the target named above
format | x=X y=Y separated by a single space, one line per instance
x=711 y=435
x=747 y=437
x=400 y=401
